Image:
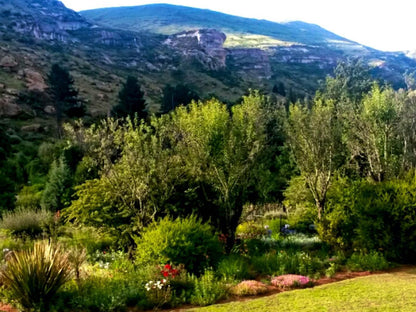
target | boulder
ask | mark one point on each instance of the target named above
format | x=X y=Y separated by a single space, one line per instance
x=8 y=108
x=8 y=61
x=34 y=80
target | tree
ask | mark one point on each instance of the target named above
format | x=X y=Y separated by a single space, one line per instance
x=57 y=193
x=175 y=96
x=220 y=151
x=314 y=137
x=279 y=89
x=131 y=100
x=64 y=95
x=373 y=133
x=351 y=82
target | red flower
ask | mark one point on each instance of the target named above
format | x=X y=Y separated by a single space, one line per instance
x=165 y=274
x=168 y=266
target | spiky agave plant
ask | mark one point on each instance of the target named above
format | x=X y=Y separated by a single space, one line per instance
x=33 y=277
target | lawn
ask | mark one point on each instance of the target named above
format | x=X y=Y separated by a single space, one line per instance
x=395 y=291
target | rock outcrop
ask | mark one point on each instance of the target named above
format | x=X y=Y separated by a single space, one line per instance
x=203 y=45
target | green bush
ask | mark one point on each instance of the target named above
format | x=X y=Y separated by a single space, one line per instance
x=368 y=216
x=92 y=239
x=288 y=262
x=25 y=221
x=32 y=278
x=208 y=289
x=185 y=241
x=250 y=230
x=373 y=261
x=102 y=293
x=234 y=267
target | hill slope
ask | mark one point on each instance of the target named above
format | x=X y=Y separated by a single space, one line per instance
x=155 y=44
x=170 y=19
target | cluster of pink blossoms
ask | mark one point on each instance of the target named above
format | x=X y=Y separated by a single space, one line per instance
x=290 y=280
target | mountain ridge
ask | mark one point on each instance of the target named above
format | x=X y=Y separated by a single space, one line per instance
x=155 y=17
x=34 y=34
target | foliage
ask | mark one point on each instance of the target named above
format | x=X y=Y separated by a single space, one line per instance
x=377 y=217
x=92 y=239
x=288 y=262
x=208 y=289
x=186 y=241
x=250 y=229
x=373 y=261
x=26 y=221
x=314 y=137
x=374 y=137
x=57 y=191
x=351 y=82
x=234 y=267
x=220 y=149
x=175 y=96
x=33 y=277
x=248 y=288
x=64 y=95
x=131 y=100
x=101 y=293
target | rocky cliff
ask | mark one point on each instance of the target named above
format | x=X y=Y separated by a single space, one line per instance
x=37 y=33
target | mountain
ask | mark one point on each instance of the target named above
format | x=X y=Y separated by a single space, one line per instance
x=170 y=19
x=214 y=54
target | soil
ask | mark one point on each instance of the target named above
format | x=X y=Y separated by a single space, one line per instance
x=339 y=276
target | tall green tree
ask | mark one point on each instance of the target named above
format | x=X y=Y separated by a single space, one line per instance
x=57 y=193
x=314 y=135
x=175 y=96
x=131 y=100
x=350 y=82
x=220 y=151
x=64 y=95
x=374 y=133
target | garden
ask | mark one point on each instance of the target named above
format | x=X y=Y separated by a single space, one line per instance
x=210 y=201
x=177 y=262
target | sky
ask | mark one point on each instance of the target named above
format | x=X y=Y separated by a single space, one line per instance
x=388 y=25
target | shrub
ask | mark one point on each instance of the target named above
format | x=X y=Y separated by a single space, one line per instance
x=250 y=230
x=208 y=289
x=284 y=262
x=24 y=221
x=185 y=241
x=249 y=288
x=373 y=261
x=233 y=267
x=92 y=239
x=367 y=216
x=103 y=293
x=33 y=277
x=291 y=281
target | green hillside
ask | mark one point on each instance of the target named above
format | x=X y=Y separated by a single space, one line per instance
x=170 y=19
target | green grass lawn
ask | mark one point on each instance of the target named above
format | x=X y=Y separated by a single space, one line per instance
x=382 y=292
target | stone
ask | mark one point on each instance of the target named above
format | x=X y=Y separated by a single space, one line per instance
x=8 y=108
x=34 y=80
x=32 y=128
x=8 y=61
x=49 y=109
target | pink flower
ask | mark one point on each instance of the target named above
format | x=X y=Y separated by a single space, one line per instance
x=290 y=280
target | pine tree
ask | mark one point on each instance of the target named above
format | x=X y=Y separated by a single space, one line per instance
x=64 y=94
x=175 y=96
x=131 y=100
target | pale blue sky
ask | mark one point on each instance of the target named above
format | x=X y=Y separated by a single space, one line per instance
x=382 y=24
